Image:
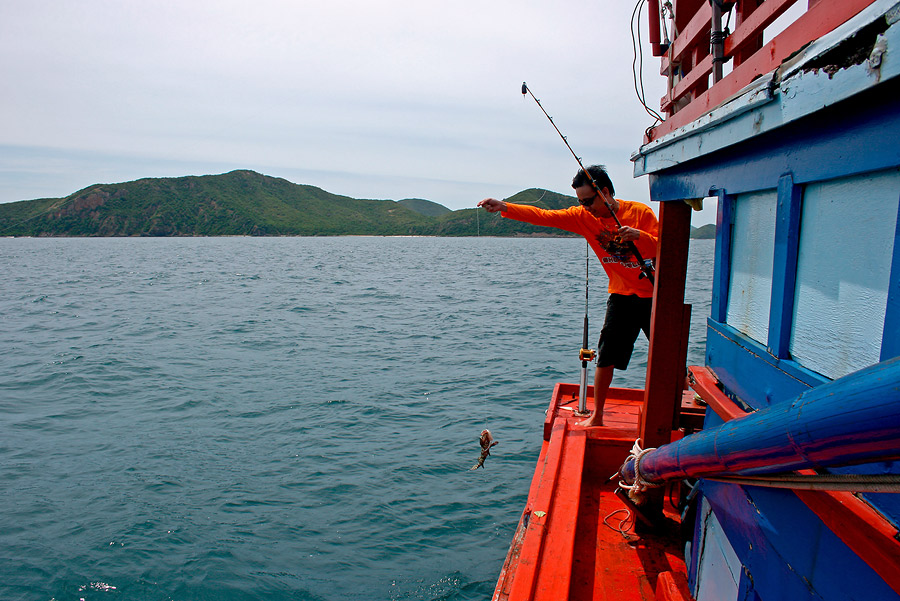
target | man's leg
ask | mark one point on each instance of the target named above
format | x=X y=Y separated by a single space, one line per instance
x=602 y=379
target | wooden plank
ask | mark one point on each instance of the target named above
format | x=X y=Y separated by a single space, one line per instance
x=688 y=38
x=704 y=381
x=529 y=555
x=864 y=530
x=890 y=339
x=625 y=567
x=748 y=31
x=672 y=586
x=555 y=570
x=555 y=401
x=665 y=375
x=784 y=274
x=511 y=563
x=816 y=22
x=754 y=25
x=722 y=266
x=689 y=82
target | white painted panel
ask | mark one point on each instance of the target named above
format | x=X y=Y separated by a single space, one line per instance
x=719 y=569
x=846 y=245
x=753 y=248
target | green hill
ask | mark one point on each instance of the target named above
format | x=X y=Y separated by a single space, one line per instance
x=424 y=207
x=243 y=203
x=235 y=203
x=704 y=232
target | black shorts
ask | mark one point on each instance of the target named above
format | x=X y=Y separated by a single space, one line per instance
x=626 y=316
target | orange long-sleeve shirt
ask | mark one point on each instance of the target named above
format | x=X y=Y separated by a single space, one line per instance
x=619 y=263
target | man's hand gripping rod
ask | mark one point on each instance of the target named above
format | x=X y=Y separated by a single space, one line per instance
x=646 y=267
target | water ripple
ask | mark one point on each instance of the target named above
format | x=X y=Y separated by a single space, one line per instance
x=280 y=418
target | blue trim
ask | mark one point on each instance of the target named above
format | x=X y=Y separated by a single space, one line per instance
x=784 y=270
x=890 y=339
x=749 y=373
x=787 y=549
x=851 y=137
x=692 y=560
x=722 y=271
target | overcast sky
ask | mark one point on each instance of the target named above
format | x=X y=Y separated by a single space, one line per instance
x=396 y=99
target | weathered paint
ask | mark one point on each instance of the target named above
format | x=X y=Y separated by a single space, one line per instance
x=841 y=140
x=818 y=21
x=718 y=568
x=791 y=93
x=748 y=371
x=803 y=134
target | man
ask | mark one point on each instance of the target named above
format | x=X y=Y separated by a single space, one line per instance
x=630 y=296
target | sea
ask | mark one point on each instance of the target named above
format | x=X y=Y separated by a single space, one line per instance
x=282 y=418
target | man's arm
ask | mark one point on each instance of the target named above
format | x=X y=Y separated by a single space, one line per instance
x=492 y=205
x=563 y=219
x=643 y=230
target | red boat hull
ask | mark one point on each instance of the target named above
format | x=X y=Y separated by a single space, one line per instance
x=570 y=543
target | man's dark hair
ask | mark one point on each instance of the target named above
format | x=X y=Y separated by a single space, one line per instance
x=598 y=173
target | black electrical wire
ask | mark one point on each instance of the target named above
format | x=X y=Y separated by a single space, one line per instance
x=637 y=64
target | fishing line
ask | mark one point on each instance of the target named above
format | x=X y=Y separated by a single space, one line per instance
x=586 y=354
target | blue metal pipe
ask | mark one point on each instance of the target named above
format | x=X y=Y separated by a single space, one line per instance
x=855 y=419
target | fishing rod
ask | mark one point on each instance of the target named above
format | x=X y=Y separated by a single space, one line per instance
x=646 y=267
x=586 y=354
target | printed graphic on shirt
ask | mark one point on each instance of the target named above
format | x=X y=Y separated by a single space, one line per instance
x=623 y=261
x=610 y=242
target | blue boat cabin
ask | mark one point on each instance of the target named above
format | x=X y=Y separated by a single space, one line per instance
x=798 y=146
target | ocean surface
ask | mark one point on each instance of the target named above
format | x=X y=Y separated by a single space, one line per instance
x=281 y=418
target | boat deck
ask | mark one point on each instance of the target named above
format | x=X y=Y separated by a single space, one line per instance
x=571 y=542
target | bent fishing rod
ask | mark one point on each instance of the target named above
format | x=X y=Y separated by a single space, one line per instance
x=646 y=267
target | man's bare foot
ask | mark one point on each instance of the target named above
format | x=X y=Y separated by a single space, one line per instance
x=592 y=422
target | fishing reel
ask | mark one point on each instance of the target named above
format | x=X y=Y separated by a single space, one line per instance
x=586 y=354
x=647 y=269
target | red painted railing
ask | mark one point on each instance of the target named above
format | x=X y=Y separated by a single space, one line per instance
x=683 y=37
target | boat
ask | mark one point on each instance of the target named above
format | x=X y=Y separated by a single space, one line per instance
x=770 y=472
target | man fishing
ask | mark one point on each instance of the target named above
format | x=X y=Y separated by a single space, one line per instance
x=618 y=231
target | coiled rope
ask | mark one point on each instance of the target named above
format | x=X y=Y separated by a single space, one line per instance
x=625 y=524
x=640 y=484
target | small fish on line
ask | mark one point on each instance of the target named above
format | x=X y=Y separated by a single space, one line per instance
x=487 y=441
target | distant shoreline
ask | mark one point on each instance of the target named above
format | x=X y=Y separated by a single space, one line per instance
x=246 y=203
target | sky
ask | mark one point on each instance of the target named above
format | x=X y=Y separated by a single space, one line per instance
x=395 y=99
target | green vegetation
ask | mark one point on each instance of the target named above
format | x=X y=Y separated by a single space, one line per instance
x=245 y=203
x=704 y=232
x=424 y=207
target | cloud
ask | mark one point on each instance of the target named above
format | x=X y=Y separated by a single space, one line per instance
x=388 y=100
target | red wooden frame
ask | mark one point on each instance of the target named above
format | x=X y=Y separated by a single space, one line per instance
x=688 y=56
